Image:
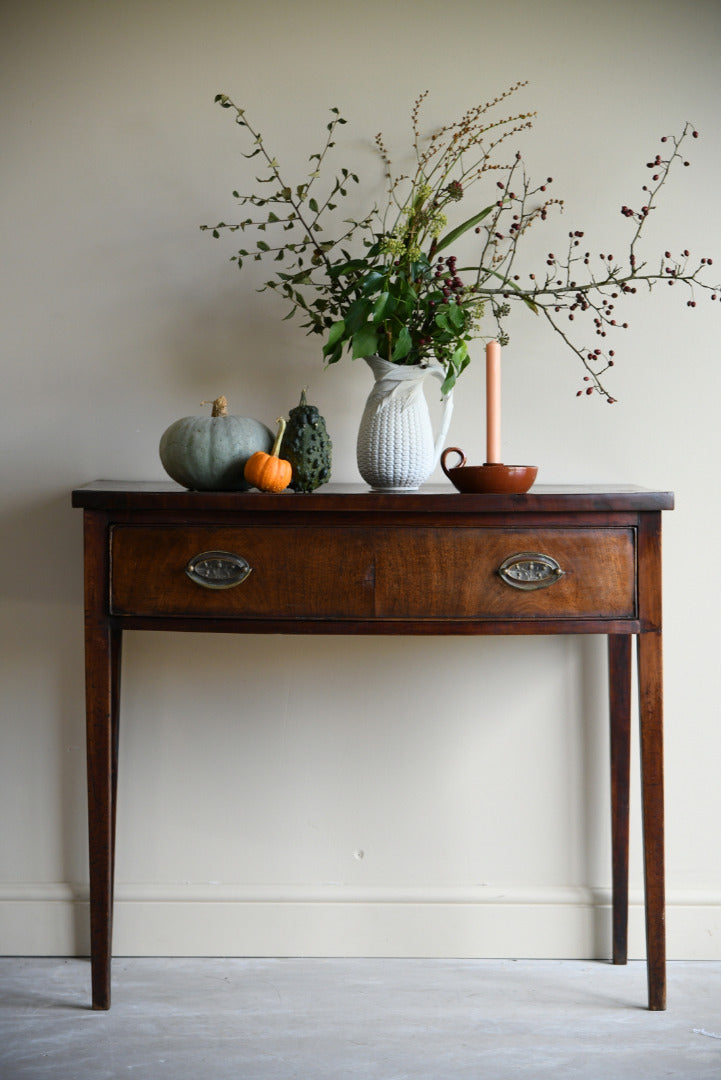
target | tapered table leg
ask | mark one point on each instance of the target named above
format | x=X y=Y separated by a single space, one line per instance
x=619 y=677
x=102 y=707
x=116 y=645
x=103 y=685
x=650 y=686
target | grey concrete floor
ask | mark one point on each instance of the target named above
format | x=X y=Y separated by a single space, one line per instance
x=211 y=1019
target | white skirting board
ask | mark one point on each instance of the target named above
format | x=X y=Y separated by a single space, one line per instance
x=224 y=920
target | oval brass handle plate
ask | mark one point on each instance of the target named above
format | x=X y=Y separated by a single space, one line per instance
x=530 y=570
x=218 y=569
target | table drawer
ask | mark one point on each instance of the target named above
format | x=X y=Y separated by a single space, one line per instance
x=447 y=573
x=294 y=573
x=359 y=573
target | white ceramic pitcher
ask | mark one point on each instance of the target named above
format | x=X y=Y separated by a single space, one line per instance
x=396 y=450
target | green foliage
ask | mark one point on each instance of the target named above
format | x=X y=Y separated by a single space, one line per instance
x=385 y=285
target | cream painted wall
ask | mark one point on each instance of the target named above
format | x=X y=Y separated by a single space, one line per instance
x=360 y=796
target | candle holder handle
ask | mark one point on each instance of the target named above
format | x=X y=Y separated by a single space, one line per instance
x=444 y=459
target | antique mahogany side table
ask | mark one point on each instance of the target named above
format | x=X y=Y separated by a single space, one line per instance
x=346 y=560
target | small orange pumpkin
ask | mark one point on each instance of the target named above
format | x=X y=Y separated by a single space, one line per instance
x=268 y=472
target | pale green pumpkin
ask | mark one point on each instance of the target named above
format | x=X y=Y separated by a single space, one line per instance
x=209 y=453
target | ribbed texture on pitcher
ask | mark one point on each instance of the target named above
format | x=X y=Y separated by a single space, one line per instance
x=395 y=449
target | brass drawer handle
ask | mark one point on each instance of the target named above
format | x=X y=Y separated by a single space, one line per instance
x=218 y=569
x=530 y=570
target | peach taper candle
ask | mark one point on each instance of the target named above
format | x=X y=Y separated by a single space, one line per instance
x=493 y=402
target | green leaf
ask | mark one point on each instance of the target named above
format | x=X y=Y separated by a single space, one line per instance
x=344 y=268
x=459 y=230
x=460 y=358
x=372 y=282
x=334 y=356
x=356 y=315
x=457 y=316
x=383 y=307
x=335 y=334
x=365 y=341
x=403 y=345
x=448 y=383
x=313 y=205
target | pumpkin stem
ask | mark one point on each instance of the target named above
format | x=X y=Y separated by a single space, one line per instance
x=220 y=406
x=279 y=437
x=303 y=398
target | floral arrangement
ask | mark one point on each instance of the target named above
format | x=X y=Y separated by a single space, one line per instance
x=390 y=284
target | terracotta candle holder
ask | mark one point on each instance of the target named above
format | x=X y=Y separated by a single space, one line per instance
x=489 y=479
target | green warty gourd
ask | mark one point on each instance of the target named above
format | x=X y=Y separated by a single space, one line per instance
x=307 y=446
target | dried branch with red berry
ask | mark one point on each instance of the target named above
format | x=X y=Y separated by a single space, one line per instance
x=389 y=284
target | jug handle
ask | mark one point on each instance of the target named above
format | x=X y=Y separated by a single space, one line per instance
x=445 y=416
